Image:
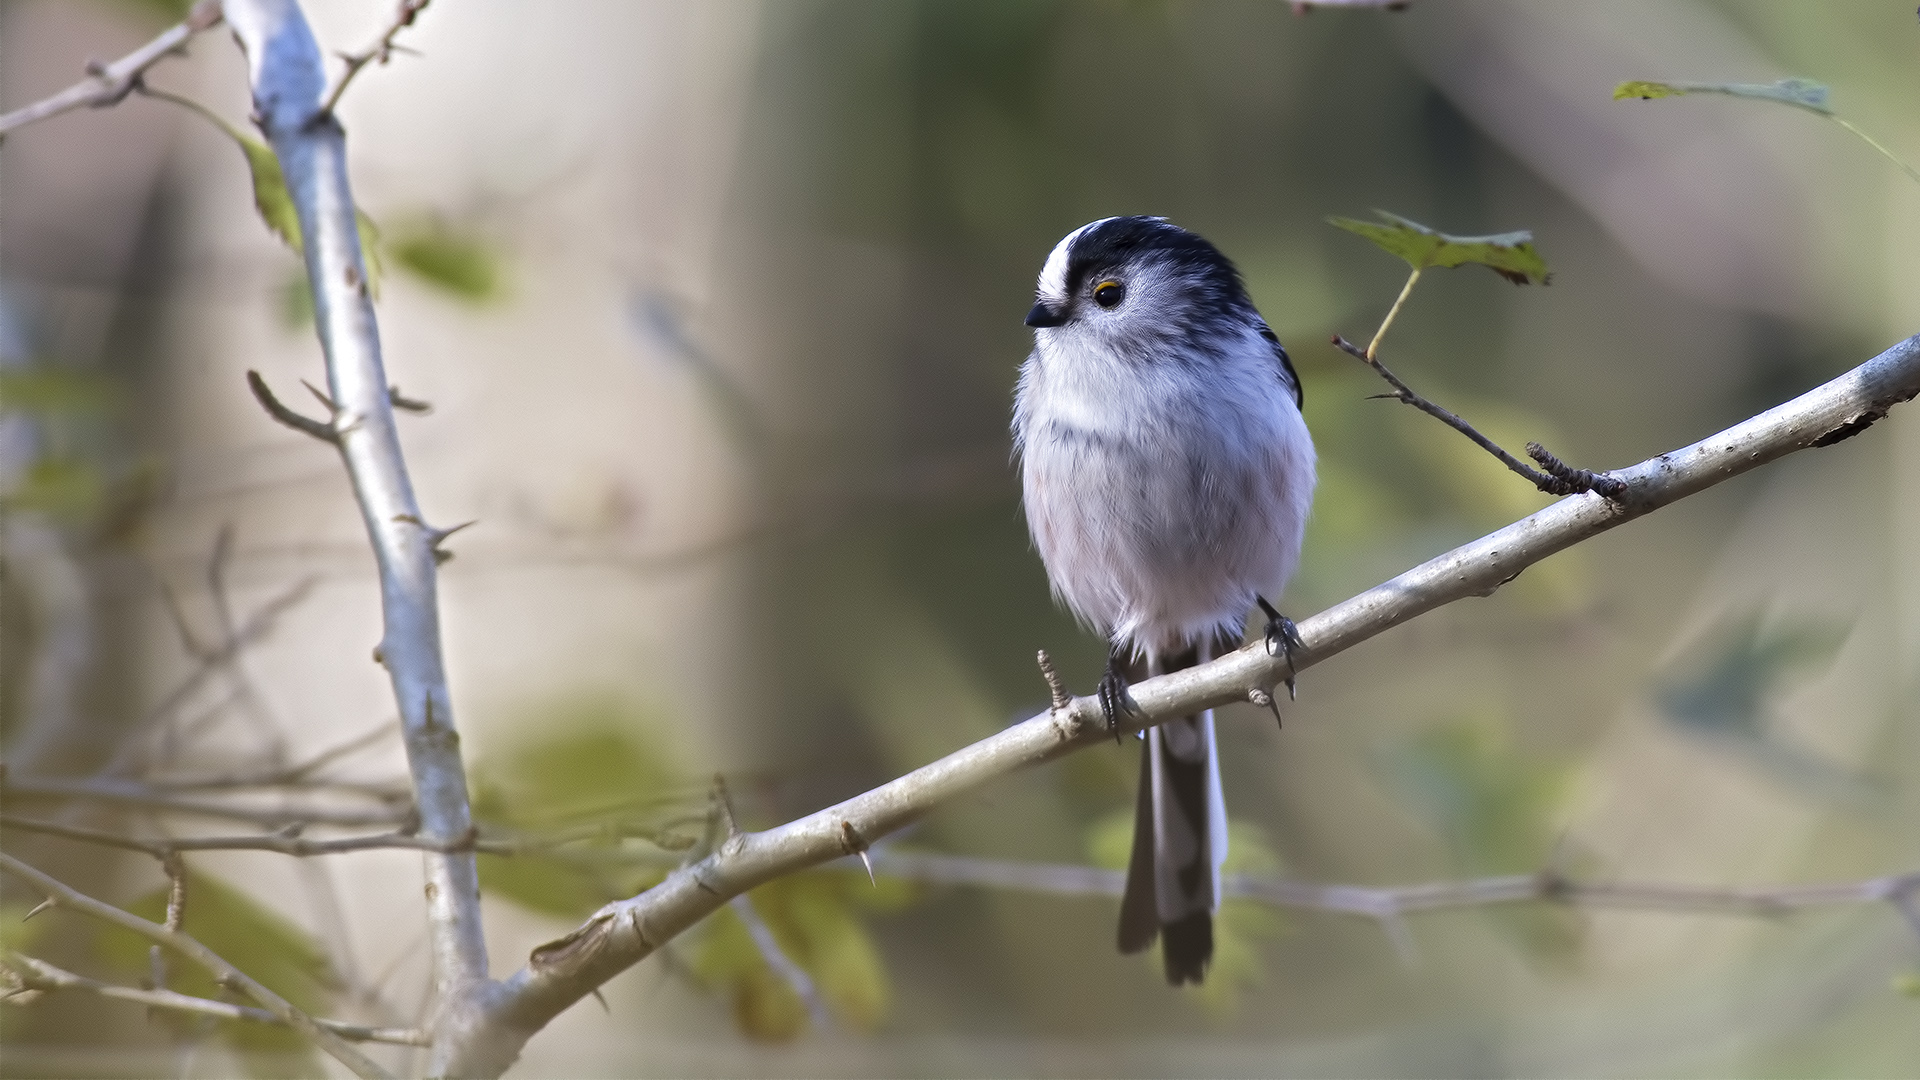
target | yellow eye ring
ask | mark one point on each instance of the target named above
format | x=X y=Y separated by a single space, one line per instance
x=1108 y=294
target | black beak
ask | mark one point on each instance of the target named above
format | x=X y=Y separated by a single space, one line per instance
x=1042 y=315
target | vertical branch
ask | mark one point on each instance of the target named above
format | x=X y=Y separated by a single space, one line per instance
x=285 y=68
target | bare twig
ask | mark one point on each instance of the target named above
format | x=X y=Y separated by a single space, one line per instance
x=286 y=416
x=1560 y=478
x=293 y=108
x=296 y=775
x=131 y=793
x=1057 y=696
x=381 y=50
x=620 y=934
x=290 y=842
x=792 y=974
x=257 y=626
x=36 y=974
x=109 y=84
x=1380 y=903
x=223 y=973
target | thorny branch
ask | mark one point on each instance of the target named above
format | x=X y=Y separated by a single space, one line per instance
x=1559 y=479
x=293 y=108
x=381 y=50
x=109 y=84
x=32 y=974
x=61 y=895
x=622 y=933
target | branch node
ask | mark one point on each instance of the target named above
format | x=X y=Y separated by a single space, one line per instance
x=306 y=426
x=1056 y=690
x=723 y=806
x=1572 y=481
x=1265 y=700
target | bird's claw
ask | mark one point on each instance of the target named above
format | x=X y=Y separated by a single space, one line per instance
x=1112 y=694
x=1283 y=637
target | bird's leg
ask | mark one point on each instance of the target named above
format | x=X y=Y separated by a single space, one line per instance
x=1282 y=637
x=1113 y=691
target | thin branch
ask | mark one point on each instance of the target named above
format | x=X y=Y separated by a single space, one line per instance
x=792 y=974
x=295 y=775
x=290 y=842
x=36 y=974
x=257 y=626
x=381 y=50
x=223 y=973
x=286 y=416
x=130 y=793
x=1373 y=347
x=1056 y=879
x=1559 y=479
x=293 y=108
x=109 y=84
x=622 y=933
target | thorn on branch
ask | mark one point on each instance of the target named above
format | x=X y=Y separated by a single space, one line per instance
x=1056 y=690
x=286 y=416
x=43 y=905
x=857 y=846
x=1559 y=479
x=407 y=404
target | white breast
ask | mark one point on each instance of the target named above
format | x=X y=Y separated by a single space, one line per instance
x=1162 y=496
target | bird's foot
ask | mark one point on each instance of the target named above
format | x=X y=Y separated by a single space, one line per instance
x=1112 y=694
x=1283 y=637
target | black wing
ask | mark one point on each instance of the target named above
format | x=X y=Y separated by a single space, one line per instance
x=1287 y=374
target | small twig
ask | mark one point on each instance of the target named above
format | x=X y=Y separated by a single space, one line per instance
x=36 y=974
x=128 y=793
x=223 y=972
x=381 y=50
x=1399 y=302
x=1566 y=481
x=257 y=626
x=288 y=841
x=412 y=405
x=1056 y=690
x=109 y=84
x=305 y=425
x=791 y=973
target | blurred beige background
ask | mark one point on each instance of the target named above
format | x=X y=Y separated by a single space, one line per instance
x=720 y=345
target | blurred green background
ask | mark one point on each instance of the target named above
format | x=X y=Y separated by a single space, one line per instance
x=719 y=308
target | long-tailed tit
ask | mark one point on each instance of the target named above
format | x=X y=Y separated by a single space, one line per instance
x=1167 y=475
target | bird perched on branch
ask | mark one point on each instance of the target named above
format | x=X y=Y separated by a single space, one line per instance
x=1167 y=474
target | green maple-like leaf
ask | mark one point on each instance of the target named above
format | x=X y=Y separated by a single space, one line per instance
x=1799 y=93
x=1511 y=255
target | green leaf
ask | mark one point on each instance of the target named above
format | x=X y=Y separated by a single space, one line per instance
x=252 y=938
x=275 y=204
x=1511 y=255
x=1799 y=93
x=455 y=262
x=270 y=196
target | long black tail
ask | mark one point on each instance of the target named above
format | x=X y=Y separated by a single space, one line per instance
x=1178 y=837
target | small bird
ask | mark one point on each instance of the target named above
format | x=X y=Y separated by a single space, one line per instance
x=1166 y=473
